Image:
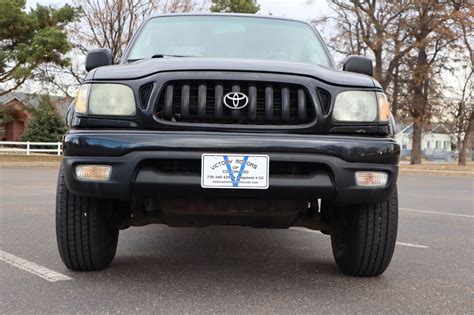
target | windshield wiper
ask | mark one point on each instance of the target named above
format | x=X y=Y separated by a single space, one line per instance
x=166 y=55
x=160 y=56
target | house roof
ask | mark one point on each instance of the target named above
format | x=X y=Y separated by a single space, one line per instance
x=34 y=100
x=432 y=128
x=10 y=100
x=25 y=98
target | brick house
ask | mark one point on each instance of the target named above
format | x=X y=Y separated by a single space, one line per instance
x=12 y=130
x=17 y=104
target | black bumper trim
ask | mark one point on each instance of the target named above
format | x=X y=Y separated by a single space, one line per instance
x=120 y=142
x=131 y=176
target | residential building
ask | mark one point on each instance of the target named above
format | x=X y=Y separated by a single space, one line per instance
x=12 y=128
x=15 y=105
x=436 y=142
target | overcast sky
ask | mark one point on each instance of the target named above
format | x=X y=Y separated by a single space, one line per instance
x=289 y=8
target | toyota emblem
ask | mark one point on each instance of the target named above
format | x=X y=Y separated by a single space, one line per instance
x=236 y=100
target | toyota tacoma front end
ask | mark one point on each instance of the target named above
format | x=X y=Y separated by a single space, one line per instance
x=229 y=120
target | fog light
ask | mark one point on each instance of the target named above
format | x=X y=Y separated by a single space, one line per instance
x=371 y=179
x=98 y=173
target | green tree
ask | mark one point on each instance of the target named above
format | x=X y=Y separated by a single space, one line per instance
x=31 y=39
x=6 y=114
x=45 y=125
x=235 y=6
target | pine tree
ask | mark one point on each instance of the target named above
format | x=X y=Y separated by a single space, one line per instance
x=45 y=125
x=235 y=6
x=31 y=38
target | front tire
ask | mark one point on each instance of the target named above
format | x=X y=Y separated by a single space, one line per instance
x=86 y=240
x=363 y=237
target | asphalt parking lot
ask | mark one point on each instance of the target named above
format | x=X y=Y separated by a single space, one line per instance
x=238 y=270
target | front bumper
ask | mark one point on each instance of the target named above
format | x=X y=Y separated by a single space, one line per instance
x=329 y=163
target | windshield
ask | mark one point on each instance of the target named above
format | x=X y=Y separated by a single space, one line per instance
x=230 y=37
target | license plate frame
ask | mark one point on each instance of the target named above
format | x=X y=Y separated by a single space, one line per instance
x=249 y=171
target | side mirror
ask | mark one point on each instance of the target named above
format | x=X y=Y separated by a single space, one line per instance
x=98 y=57
x=358 y=64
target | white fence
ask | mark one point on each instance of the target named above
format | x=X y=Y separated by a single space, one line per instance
x=31 y=147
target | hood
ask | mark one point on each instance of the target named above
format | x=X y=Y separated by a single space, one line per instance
x=148 y=67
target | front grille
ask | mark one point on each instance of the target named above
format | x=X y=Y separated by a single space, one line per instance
x=193 y=167
x=203 y=102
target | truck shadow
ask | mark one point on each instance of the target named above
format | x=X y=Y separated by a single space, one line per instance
x=222 y=252
x=227 y=266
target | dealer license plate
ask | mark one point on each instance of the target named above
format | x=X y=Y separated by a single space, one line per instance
x=246 y=171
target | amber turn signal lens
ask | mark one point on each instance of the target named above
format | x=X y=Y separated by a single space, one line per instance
x=384 y=107
x=80 y=105
x=96 y=173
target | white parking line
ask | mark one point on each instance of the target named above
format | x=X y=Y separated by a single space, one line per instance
x=436 y=212
x=31 y=267
x=412 y=245
x=302 y=229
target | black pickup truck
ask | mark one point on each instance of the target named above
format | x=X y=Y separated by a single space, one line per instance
x=217 y=119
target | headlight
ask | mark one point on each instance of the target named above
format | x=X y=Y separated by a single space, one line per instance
x=105 y=99
x=356 y=106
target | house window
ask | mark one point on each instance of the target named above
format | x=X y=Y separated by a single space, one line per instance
x=427 y=144
x=438 y=144
x=446 y=145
